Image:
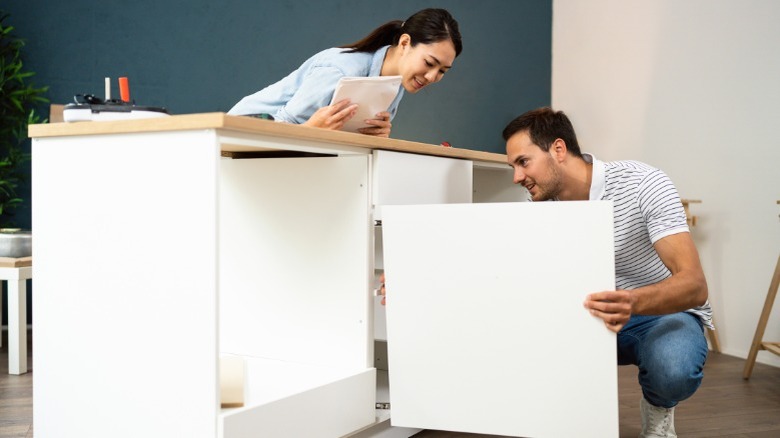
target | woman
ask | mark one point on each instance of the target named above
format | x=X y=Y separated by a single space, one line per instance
x=420 y=50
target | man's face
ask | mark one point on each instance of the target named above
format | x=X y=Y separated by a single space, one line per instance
x=534 y=168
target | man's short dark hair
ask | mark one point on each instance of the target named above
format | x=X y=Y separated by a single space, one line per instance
x=544 y=126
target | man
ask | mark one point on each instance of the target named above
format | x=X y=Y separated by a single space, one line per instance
x=660 y=307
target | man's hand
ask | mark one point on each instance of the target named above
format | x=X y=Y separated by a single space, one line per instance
x=380 y=126
x=613 y=307
x=382 y=288
x=333 y=116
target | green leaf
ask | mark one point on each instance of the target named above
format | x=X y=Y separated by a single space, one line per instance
x=18 y=99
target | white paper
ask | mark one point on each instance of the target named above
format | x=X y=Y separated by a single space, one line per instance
x=373 y=95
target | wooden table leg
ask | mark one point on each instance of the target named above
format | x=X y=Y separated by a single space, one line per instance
x=713 y=337
x=762 y=321
x=17 y=326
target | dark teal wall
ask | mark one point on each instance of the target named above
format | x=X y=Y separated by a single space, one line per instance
x=201 y=56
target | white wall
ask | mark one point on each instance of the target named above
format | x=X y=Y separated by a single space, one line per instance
x=691 y=87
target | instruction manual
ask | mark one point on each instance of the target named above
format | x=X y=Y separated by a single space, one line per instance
x=372 y=94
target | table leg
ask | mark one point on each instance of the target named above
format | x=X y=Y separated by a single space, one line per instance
x=17 y=326
x=774 y=285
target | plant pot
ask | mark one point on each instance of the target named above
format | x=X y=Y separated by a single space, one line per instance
x=15 y=242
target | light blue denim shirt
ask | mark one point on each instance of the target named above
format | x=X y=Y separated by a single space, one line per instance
x=296 y=97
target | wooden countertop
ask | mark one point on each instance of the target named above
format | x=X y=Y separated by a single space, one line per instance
x=15 y=262
x=250 y=125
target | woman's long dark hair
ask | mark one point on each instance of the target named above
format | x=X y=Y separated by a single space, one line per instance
x=426 y=27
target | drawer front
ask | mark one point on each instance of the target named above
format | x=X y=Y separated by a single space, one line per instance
x=401 y=179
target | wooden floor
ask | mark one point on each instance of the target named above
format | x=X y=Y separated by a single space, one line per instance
x=724 y=406
x=15 y=396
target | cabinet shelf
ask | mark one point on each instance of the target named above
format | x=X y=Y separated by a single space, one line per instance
x=279 y=393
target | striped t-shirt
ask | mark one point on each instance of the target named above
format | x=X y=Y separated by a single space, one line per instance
x=647 y=208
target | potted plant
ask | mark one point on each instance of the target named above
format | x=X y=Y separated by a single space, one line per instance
x=18 y=97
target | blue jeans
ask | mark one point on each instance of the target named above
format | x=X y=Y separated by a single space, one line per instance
x=670 y=351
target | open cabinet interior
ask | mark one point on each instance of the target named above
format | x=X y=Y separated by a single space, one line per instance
x=293 y=270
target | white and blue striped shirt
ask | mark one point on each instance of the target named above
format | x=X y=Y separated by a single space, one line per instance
x=647 y=208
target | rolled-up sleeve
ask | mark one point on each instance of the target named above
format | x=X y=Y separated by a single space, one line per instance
x=314 y=92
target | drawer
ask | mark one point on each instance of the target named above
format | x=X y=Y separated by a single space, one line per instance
x=401 y=179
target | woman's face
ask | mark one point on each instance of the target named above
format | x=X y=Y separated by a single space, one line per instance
x=424 y=64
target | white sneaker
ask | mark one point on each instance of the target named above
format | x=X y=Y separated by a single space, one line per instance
x=656 y=422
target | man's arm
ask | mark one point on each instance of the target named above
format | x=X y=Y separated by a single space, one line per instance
x=686 y=288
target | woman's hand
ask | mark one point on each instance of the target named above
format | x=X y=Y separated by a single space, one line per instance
x=380 y=126
x=333 y=116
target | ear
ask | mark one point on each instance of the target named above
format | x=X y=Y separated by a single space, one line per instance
x=558 y=150
x=405 y=40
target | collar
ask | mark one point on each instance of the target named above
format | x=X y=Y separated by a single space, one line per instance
x=377 y=61
x=598 y=179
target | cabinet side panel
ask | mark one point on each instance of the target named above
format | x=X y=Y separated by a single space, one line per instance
x=485 y=324
x=125 y=285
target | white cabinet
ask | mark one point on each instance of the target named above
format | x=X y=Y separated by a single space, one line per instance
x=156 y=255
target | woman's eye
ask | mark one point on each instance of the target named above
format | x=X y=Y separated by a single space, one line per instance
x=428 y=63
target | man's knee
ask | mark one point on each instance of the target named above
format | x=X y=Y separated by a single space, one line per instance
x=674 y=359
x=675 y=378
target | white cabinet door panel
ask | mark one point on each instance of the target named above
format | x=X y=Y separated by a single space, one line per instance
x=485 y=324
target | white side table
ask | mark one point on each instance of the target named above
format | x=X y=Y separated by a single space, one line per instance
x=16 y=271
